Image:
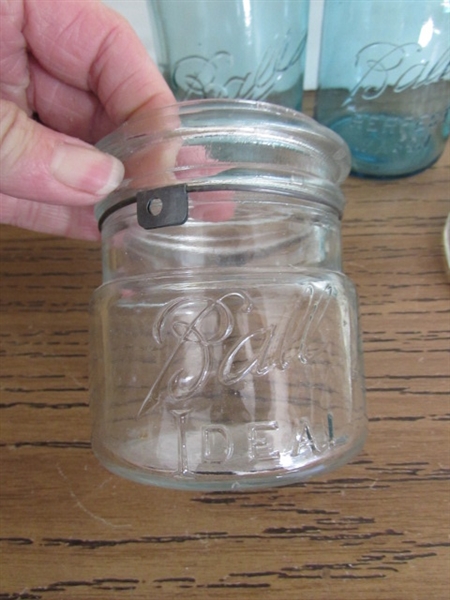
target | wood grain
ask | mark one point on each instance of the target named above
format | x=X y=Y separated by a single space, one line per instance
x=377 y=529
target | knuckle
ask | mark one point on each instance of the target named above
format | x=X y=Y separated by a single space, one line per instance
x=15 y=134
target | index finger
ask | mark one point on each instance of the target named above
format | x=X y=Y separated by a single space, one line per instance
x=89 y=46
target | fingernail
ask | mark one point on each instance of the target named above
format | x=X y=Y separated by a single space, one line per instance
x=86 y=169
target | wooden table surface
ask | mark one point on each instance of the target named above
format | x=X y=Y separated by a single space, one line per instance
x=376 y=529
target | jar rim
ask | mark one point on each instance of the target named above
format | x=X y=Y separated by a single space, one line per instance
x=256 y=138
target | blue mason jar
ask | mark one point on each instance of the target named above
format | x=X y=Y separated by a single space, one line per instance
x=384 y=82
x=247 y=49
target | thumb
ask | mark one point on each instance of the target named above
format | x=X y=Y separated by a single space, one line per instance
x=40 y=164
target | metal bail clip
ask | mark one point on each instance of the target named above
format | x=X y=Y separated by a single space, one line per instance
x=162 y=207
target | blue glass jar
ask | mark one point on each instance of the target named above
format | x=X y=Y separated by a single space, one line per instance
x=384 y=82
x=248 y=49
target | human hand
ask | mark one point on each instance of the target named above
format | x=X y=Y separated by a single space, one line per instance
x=80 y=67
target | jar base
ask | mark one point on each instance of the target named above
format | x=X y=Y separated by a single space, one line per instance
x=225 y=380
x=388 y=146
x=229 y=481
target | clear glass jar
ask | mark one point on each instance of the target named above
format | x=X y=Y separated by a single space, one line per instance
x=225 y=343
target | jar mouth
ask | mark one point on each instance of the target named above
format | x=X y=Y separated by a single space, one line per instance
x=235 y=143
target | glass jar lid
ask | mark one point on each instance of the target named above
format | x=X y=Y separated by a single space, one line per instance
x=227 y=144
